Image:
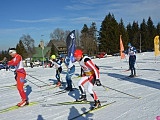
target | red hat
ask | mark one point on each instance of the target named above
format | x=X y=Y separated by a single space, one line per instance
x=78 y=53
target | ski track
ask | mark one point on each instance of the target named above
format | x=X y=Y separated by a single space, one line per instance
x=126 y=107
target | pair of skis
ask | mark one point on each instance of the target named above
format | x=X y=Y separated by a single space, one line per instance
x=16 y=107
x=83 y=102
x=92 y=110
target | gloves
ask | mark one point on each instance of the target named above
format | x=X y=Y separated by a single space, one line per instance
x=97 y=82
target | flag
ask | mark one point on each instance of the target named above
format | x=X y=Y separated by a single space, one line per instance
x=71 y=45
x=42 y=44
x=121 y=48
x=156 y=46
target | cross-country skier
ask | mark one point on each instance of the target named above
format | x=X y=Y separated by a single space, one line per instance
x=132 y=59
x=57 y=64
x=91 y=75
x=20 y=75
x=70 y=71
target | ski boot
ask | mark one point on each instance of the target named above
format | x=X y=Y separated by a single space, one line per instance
x=97 y=104
x=82 y=98
x=23 y=103
x=69 y=89
x=131 y=75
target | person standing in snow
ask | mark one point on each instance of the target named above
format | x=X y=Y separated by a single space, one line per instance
x=20 y=75
x=91 y=75
x=57 y=64
x=132 y=59
x=70 y=71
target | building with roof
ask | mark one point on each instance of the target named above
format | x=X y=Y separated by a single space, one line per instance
x=39 y=53
x=59 y=46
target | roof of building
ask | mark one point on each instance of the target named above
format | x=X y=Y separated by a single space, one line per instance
x=57 y=43
x=38 y=52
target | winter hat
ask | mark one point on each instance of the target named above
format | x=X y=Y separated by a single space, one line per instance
x=12 y=51
x=53 y=57
x=129 y=44
x=78 y=53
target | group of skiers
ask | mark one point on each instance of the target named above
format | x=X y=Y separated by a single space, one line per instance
x=90 y=74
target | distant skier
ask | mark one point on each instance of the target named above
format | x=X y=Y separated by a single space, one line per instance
x=57 y=64
x=4 y=63
x=132 y=59
x=70 y=71
x=20 y=75
x=91 y=75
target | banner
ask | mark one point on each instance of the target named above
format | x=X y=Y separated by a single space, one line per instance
x=156 y=46
x=121 y=48
x=71 y=45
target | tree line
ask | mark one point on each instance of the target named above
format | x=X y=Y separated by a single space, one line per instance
x=140 y=35
x=106 y=39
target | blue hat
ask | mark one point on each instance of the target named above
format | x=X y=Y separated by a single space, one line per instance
x=129 y=44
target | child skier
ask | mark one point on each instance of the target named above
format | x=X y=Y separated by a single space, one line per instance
x=57 y=64
x=91 y=75
x=20 y=75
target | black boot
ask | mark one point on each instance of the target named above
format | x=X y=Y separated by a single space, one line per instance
x=69 y=88
x=82 y=98
x=97 y=104
x=134 y=73
x=131 y=74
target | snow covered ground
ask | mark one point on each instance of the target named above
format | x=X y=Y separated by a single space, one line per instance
x=112 y=74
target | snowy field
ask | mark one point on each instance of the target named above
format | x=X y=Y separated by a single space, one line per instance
x=125 y=92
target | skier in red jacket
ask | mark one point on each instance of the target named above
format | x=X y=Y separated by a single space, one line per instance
x=20 y=75
x=91 y=75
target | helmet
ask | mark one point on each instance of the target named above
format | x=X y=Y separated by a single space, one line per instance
x=78 y=53
x=53 y=57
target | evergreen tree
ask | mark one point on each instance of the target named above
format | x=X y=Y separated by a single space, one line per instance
x=129 y=32
x=151 y=34
x=123 y=32
x=53 y=52
x=136 y=35
x=88 y=39
x=84 y=37
x=158 y=29
x=93 y=40
x=109 y=35
x=143 y=35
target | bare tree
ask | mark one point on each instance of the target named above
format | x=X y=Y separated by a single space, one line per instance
x=57 y=34
x=77 y=38
x=28 y=43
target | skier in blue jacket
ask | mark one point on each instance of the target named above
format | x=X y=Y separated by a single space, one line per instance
x=132 y=59
x=70 y=71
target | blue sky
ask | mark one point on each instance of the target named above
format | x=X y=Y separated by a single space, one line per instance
x=41 y=17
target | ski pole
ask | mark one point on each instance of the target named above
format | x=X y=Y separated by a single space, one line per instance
x=35 y=78
x=105 y=88
x=38 y=79
x=121 y=92
x=33 y=83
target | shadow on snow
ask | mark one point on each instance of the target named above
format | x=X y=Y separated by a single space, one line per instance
x=136 y=80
